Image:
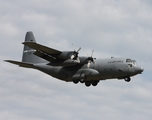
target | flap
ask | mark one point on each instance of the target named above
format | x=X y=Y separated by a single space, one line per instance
x=44 y=56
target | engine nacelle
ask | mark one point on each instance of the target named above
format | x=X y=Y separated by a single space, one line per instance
x=66 y=54
x=79 y=76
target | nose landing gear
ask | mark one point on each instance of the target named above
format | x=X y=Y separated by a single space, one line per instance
x=127 y=79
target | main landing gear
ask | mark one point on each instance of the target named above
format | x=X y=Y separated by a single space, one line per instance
x=87 y=83
x=75 y=81
x=93 y=83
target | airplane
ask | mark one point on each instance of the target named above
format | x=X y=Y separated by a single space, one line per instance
x=70 y=67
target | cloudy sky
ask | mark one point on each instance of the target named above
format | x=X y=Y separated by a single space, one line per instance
x=119 y=28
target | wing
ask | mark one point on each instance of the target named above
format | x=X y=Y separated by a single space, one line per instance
x=56 y=57
x=44 y=52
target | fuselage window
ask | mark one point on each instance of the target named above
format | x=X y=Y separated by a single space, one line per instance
x=128 y=60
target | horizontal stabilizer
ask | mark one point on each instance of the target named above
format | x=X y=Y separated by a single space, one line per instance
x=21 y=64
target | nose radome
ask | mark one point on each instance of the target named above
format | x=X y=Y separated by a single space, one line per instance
x=139 y=69
x=142 y=69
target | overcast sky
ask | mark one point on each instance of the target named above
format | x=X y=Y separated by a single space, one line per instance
x=119 y=28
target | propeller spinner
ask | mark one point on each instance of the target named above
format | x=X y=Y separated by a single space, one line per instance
x=91 y=59
x=75 y=55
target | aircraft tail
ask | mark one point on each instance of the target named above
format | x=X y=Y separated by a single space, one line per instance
x=28 y=55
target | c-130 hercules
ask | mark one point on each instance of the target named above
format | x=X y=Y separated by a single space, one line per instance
x=69 y=67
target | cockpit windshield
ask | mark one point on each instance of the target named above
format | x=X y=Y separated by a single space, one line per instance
x=134 y=62
x=129 y=61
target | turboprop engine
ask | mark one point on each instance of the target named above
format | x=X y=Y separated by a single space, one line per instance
x=73 y=55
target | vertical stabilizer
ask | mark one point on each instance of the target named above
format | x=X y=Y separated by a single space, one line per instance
x=28 y=55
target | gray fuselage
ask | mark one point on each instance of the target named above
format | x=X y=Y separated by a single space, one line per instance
x=103 y=69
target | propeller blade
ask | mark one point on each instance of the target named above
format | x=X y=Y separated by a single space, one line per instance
x=78 y=49
x=88 y=65
x=94 y=62
x=90 y=59
x=75 y=54
x=92 y=53
x=72 y=56
x=78 y=59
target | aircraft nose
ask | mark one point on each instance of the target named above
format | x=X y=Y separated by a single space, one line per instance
x=142 y=69
x=139 y=69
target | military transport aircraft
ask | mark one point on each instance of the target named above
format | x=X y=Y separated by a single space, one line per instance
x=69 y=67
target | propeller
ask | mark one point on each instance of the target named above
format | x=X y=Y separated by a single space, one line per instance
x=91 y=59
x=75 y=55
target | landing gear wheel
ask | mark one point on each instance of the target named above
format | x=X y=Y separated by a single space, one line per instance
x=127 y=79
x=75 y=81
x=95 y=83
x=82 y=81
x=87 y=84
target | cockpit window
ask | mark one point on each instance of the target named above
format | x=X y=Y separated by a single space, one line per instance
x=129 y=61
x=134 y=62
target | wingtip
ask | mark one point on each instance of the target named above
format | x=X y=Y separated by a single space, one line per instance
x=23 y=43
x=10 y=61
x=28 y=42
x=6 y=60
